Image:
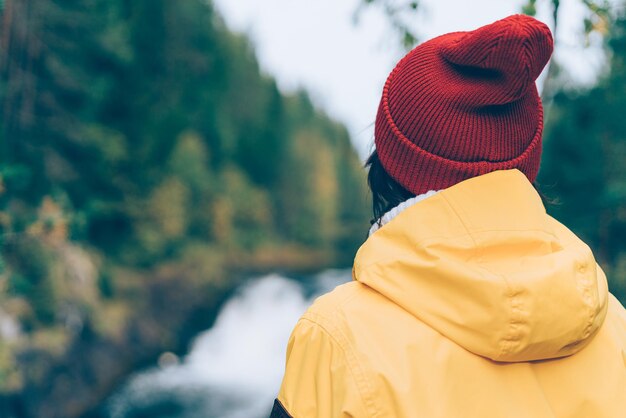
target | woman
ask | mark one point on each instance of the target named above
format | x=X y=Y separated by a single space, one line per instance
x=468 y=300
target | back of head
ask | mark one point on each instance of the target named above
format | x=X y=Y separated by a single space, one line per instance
x=465 y=104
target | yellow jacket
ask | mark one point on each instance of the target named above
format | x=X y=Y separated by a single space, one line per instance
x=473 y=303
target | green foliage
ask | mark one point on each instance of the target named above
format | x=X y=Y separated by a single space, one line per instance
x=139 y=140
x=585 y=150
x=400 y=14
x=106 y=286
x=597 y=18
x=153 y=130
x=530 y=8
x=31 y=262
x=143 y=129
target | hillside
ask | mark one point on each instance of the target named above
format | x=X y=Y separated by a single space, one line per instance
x=147 y=166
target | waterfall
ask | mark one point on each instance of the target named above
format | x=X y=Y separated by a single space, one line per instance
x=234 y=369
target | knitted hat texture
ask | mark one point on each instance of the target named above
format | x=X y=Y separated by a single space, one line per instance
x=465 y=104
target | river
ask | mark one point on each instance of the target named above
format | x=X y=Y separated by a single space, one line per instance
x=234 y=369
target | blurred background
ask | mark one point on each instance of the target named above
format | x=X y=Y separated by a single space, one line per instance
x=179 y=180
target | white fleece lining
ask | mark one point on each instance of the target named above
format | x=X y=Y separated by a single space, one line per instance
x=393 y=212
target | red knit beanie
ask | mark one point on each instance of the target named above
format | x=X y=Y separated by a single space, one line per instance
x=465 y=104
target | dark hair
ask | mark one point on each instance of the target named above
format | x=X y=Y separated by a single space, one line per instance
x=386 y=192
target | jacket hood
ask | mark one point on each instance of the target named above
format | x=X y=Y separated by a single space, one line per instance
x=484 y=265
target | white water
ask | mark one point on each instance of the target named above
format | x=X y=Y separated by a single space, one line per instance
x=233 y=369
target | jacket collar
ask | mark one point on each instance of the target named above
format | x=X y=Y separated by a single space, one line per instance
x=395 y=211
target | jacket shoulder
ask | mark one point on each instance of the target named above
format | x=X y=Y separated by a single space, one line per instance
x=333 y=301
x=328 y=310
x=337 y=310
x=323 y=376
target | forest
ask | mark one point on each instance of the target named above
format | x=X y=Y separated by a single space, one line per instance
x=145 y=156
x=148 y=166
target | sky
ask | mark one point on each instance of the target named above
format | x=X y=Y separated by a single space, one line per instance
x=316 y=45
